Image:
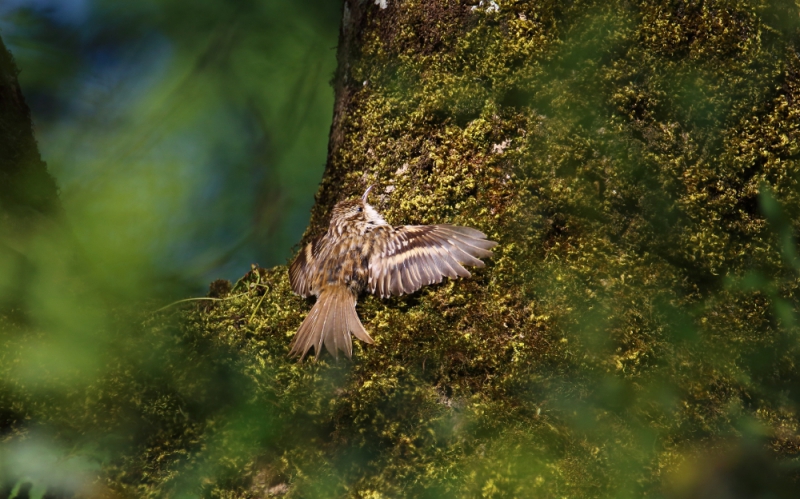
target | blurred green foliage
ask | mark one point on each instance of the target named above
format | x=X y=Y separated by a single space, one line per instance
x=187 y=140
x=159 y=111
x=635 y=335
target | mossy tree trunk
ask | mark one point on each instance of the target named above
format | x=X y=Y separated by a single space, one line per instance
x=638 y=163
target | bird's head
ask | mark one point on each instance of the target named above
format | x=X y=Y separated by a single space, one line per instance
x=356 y=212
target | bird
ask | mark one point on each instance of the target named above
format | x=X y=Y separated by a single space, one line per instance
x=360 y=253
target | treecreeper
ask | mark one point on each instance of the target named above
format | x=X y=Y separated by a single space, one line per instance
x=362 y=252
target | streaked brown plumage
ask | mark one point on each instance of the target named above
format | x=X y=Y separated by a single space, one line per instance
x=361 y=252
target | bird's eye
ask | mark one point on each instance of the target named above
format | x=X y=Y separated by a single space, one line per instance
x=360 y=209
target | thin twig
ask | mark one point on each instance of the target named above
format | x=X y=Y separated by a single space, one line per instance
x=198 y=299
x=250 y=321
x=185 y=300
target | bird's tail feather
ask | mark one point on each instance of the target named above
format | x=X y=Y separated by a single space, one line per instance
x=330 y=322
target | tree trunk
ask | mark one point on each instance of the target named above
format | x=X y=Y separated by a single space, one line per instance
x=636 y=331
x=25 y=183
x=28 y=194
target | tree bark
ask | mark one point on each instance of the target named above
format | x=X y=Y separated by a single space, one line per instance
x=637 y=161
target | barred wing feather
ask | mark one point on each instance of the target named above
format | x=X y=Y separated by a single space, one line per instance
x=418 y=255
x=302 y=270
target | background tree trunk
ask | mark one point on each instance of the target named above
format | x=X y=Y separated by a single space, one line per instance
x=28 y=194
x=25 y=183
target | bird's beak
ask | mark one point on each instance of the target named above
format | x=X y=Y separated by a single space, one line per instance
x=364 y=197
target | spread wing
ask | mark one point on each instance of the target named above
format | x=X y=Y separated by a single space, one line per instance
x=302 y=270
x=417 y=255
